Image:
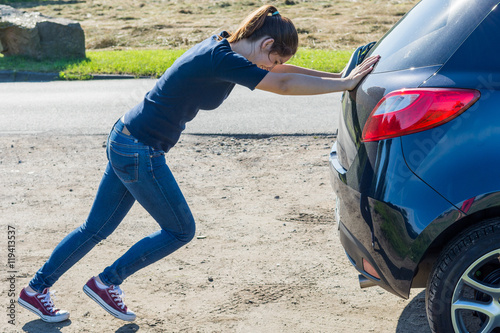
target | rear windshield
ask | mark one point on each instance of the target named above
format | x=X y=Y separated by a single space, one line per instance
x=430 y=33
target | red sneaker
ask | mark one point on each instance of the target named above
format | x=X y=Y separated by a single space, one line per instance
x=42 y=305
x=110 y=298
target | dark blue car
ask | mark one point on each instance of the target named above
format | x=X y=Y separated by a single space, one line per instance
x=416 y=164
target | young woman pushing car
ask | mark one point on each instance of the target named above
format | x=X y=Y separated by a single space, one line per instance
x=201 y=79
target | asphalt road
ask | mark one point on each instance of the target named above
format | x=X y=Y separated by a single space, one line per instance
x=91 y=107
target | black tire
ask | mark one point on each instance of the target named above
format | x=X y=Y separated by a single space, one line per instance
x=457 y=296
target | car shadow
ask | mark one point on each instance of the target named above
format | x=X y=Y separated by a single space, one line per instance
x=414 y=318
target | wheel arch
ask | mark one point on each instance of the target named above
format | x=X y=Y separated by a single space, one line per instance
x=446 y=236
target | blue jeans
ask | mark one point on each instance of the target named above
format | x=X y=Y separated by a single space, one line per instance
x=135 y=172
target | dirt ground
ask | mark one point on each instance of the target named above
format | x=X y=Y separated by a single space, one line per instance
x=123 y=24
x=266 y=258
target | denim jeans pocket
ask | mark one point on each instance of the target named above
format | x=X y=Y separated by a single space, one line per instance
x=125 y=164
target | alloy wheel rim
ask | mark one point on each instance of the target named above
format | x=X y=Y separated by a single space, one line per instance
x=475 y=305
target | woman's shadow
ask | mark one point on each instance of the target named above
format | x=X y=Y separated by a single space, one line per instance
x=39 y=326
x=414 y=318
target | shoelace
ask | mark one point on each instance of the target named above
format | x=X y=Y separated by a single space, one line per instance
x=47 y=302
x=118 y=296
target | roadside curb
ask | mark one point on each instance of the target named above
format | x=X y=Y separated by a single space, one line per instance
x=24 y=76
x=19 y=76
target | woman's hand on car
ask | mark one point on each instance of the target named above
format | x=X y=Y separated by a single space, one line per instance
x=293 y=80
x=359 y=72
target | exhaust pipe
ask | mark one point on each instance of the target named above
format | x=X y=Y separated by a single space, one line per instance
x=364 y=282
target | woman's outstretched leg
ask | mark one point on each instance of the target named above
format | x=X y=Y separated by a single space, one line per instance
x=112 y=203
x=157 y=191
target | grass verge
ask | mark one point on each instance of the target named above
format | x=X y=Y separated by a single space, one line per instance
x=151 y=63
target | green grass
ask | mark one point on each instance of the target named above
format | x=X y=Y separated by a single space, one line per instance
x=151 y=63
x=322 y=60
x=133 y=62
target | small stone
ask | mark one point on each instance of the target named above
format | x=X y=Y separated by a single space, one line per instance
x=210 y=279
x=277 y=197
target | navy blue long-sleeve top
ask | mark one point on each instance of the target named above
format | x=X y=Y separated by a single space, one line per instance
x=201 y=79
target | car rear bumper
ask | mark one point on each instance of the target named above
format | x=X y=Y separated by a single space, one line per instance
x=383 y=213
x=356 y=252
x=349 y=205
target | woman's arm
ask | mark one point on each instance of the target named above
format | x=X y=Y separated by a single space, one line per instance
x=294 y=83
x=301 y=70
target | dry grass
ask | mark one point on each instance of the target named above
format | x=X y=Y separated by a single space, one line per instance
x=342 y=24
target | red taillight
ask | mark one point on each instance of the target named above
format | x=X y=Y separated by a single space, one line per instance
x=407 y=111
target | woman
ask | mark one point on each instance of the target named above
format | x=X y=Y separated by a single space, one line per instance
x=254 y=56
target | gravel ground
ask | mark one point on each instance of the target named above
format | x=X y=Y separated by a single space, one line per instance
x=266 y=258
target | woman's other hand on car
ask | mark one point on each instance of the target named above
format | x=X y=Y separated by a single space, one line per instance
x=359 y=72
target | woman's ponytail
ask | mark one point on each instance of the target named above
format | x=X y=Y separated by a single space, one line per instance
x=266 y=21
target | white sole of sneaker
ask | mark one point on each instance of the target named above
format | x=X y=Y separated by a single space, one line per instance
x=48 y=319
x=90 y=293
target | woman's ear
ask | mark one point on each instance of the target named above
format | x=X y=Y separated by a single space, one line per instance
x=267 y=44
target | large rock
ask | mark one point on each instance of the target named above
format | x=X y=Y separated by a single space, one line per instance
x=39 y=36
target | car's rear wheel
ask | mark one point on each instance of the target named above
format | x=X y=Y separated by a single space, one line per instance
x=463 y=292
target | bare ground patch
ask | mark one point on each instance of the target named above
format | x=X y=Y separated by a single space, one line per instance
x=267 y=259
x=119 y=24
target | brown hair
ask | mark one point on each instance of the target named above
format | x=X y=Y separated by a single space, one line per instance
x=260 y=24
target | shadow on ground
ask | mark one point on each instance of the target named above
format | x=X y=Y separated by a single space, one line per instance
x=37 y=326
x=414 y=319
x=36 y=3
x=128 y=328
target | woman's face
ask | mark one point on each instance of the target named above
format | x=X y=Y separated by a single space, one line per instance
x=267 y=60
x=264 y=58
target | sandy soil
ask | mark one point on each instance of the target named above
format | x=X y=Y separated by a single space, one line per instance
x=267 y=257
x=122 y=24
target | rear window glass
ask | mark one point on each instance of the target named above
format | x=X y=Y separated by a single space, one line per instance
x=430 y=33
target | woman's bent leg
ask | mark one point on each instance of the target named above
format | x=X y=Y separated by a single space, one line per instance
x=158 y=192
x=112 y=203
